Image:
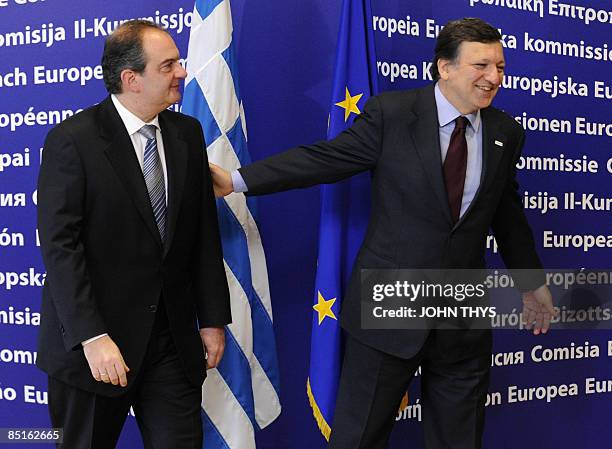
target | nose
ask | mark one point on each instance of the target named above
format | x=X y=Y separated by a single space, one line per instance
x=180 y=72
x=493 y=75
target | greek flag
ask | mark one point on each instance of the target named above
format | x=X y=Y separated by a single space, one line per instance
x=344 y=211
x=242 y=394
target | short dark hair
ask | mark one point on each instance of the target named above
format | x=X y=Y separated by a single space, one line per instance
x=469 y=29
x=123 y=50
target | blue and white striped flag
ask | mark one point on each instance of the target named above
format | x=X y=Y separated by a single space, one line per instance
x=242 y=394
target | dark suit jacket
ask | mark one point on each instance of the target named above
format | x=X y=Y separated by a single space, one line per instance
x=410 y=226
x=106 y=266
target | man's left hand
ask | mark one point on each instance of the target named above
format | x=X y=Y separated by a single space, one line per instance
x=538 y=310
x=213 y=339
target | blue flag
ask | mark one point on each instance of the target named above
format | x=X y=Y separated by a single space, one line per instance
x=344 y=211
x=242 y=394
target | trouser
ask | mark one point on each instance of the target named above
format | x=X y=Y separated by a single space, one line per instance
x=372 y=384
x=167 y=406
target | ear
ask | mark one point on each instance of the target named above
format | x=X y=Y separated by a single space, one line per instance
x=444 y=67
x=130 y=81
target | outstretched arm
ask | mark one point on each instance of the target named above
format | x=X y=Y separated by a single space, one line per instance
x=353 y=151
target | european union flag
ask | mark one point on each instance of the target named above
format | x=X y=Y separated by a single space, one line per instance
x=344 y=211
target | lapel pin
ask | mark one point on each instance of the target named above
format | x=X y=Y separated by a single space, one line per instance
x=499 y=144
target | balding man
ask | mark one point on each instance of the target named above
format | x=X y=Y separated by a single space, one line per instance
x=136 y=293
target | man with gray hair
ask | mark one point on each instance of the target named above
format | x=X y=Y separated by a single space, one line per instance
x=443 y=170
x=135 y=297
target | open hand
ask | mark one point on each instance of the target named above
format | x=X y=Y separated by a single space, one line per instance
x=538 y=310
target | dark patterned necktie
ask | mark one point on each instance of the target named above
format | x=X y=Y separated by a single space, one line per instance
x=154 y=178
x=455 y=165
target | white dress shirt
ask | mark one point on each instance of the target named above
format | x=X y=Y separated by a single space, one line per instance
x=132 y=125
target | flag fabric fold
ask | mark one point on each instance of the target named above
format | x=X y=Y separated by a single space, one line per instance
x=344 y=211
x=242 y=394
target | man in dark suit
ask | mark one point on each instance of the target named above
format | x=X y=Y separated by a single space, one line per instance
x=130 y=240
x=443 y=173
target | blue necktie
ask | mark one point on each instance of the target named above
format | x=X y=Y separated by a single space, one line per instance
x=154 y=178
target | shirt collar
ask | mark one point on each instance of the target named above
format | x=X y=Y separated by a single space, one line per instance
x=448 y=113
x=132 y=122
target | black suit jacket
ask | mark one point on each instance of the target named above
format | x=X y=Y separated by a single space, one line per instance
x=410 y=226
x=106 y=265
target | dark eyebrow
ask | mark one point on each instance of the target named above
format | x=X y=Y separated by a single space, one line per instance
x=165 y=61
x=488 y=61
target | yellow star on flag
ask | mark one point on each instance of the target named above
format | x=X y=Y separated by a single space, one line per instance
x=349 y=104
x=323 y=307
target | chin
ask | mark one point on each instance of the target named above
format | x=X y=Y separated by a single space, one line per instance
x=485 y=102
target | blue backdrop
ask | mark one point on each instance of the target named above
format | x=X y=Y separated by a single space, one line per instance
x=558 y=84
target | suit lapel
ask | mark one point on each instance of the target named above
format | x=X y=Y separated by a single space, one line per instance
x=175 y=149
x=426 y=139
x=493 y=146
x=122 y=156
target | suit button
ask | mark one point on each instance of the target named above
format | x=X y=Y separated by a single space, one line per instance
x=152 y=308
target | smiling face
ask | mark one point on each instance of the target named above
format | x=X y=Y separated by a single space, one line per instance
x=160 y=81
x=472 y=79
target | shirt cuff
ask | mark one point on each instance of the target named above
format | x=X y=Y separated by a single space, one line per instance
x=238 y=182
x=83 y=343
